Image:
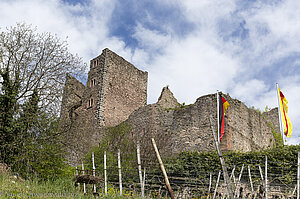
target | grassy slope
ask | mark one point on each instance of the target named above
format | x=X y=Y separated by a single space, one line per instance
x=14 y=188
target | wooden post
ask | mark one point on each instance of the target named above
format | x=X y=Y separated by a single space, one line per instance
x=232 y=173
x=233 y=176
x=266 y=176
x=261 y=175
x=226 y=177
x=262 y=179
x=94 y=170
x=140 y=167
x=298 y=177
x=120 y=172
x=162 y=169
x=238 y=182
x=210 y=178
x=249 y=172
x=84 y=191
x=215 y=192
x=105 y=177
x=294 y=191
x=144 y=181
x=234 y=183
x=209 y=186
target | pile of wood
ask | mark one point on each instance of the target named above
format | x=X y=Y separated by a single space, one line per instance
x=88 y=179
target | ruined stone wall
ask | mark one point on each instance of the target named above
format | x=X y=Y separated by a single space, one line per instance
x=73 y=93
x=187 y=128
x=272 y=116
x=114 y=89
x=76 y=120
x=175 y=129
x=248 y=129
x=125 y=89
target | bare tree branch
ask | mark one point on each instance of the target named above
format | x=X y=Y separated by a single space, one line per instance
x=37 y=61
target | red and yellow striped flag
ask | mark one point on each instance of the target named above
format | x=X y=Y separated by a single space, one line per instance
x=223 y=105
x=288 y=128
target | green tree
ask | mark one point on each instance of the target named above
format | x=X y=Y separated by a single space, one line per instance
x=33 y=67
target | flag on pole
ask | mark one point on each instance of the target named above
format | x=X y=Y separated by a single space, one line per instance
x=288 y=128
x=223 y=105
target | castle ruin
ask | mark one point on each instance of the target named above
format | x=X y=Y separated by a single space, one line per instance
x=114 y=89
x=116 y=92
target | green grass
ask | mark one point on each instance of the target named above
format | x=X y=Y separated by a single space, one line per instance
x=60 y=188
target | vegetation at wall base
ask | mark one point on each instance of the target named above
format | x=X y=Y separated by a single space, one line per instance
x=282 y=164
x=115 y=138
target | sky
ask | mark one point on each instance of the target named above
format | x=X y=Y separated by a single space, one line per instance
x=196 y=47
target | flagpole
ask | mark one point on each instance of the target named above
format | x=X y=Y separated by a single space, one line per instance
x=218 y=116
x=279 y=114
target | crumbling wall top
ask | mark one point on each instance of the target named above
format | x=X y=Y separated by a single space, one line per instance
x=166 y=99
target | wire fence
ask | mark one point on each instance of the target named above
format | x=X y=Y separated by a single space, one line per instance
x=195 y=181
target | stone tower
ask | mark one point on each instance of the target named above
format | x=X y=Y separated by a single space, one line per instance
x=114 y=89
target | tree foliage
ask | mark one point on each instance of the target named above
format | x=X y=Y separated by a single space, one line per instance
x=36 y=61
x=33 y=67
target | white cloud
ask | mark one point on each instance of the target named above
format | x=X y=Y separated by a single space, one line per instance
x=249 y=91
x=150 y=39
x=192 y=67
x=84 y=25
x=274 y=32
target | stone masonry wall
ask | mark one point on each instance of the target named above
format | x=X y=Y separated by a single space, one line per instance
x=187 y=128
x=114 y=89
x=248 y=129
x=77 y=122
x=272 y=116
x=73 y=93
x=125 y=89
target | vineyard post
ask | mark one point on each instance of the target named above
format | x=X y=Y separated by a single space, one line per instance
x=250 y=179
x=94 y=169
x=298 y=177
x=261 y=175
x=140 y=168
x=84 y=191
x=226 y=177
x=162 y=169
x=215 y=192
x=238 y=182
x=266 y=176
x=105 y=177
x=120 y=172
x=209 y=187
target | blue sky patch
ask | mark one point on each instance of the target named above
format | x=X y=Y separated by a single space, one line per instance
x=163 y=18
